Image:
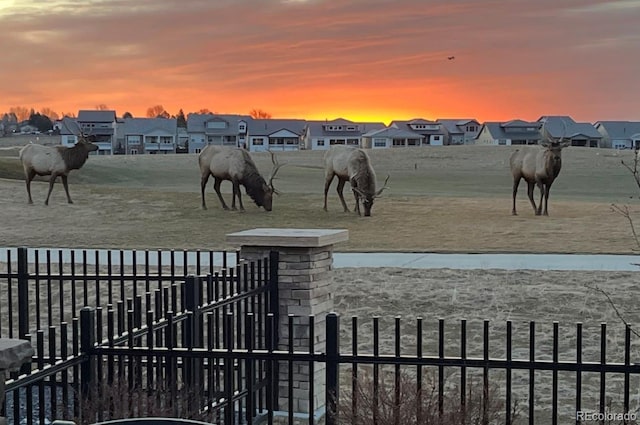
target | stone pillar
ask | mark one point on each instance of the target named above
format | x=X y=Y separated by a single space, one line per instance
x=305 y=286
x=13 y=353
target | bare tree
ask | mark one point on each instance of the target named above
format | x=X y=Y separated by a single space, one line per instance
x=102 y=107
x=157 y=111
x=204 y=111
x=259 y=114
x=50 y=113
x=22 y=113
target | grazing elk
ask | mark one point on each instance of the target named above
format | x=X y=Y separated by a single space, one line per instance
x=235 y=165
x=54 y=161
x=352 y=165
x=538 y=167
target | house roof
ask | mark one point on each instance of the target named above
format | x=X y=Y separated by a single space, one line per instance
x=406 y=125
x=265 y=127
x=147 y=125
x=96 y=116
x=451 y=124
x=555 y=127
x=621 y=129
x=497 y=130
x=316 y=128
x=393 y=133
x=69 y=126
x=196 y=123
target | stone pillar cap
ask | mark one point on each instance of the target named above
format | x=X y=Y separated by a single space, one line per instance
x=285 y=237
x=14 y=352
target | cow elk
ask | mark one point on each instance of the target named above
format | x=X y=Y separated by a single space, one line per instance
x=538 y=167
x=236 y=166
x=351 y=165
x=54 y=161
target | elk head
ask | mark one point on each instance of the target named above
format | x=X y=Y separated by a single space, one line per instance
x=84 y=140
x=554 y=147
x=368 y=198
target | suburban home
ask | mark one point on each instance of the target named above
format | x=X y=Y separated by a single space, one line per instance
x=216 y=129
x=514 y=132
x=619 y=134
x=101 y=126
x=460 y=131
x=432 y=131
x=391 y=137
x=320 y=135
x=274 y=134
x=564 y=127
x=146 y=136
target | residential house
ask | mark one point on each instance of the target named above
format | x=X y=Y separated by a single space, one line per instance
x=391 y=137
x=216 y=129
x=147 y=136
x=101 y=126
x=460 y=131
x=274 y=134
x=564 y=127
x=514 y=132
x=619 y=134
x=182 y=140
x=70 y=131
x=432 y=131
x=320 y=135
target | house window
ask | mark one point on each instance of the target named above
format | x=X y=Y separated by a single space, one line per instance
x=167 y=140
x=320 y=142
x=292 y=141
x=151 y=139
x=242 y=128
x=351 y=128
x=133 y=140
x=379 y=143
x=353 y=142
x=258 y=141
x=216 y=124
x=398 y=142
x=336 y=141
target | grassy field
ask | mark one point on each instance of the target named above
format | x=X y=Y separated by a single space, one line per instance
x=444 y=199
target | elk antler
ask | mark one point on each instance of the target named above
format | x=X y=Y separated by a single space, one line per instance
x=276 y=167
x=383 y=186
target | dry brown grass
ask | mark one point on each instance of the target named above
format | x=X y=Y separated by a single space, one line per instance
x=447 y=199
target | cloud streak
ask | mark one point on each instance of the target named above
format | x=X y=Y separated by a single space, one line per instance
x=324 y=58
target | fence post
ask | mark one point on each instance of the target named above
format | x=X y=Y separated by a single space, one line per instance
x=23 y=292
x=87 y=342
x=304 y=283
x=332 y=368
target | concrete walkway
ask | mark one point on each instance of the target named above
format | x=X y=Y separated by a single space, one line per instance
x=391 y=259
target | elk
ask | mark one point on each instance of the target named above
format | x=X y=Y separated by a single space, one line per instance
x=235 y=165
x=54 y=161
x=538 y=167
x=352 y=165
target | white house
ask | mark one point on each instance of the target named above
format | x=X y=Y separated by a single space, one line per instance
x=432 y=131
x=147 y=136
x=216 y=129
x=320 y=135
x=274 y=134
x=514 y=132
x=619 y=134
x=391 y=137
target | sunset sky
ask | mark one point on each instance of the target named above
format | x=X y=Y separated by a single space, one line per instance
x=373 y=60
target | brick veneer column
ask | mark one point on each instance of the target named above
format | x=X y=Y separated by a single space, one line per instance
x=305 y=286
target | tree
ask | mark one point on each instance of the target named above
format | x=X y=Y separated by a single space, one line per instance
x=204 y=111
x=182 y=121
x=102 y=107
x=21 y=113
x=127 y=115
x=53 y=116
x=157 y=111
x=259 y=114
x=68 y=115
x=41 y=122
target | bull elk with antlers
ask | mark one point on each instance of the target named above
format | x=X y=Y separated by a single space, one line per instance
x=538 y=167
x=235 y=165
x=352 y=165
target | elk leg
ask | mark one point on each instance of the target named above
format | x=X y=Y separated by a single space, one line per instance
x=66 y=188
x=327 y=183
x=547 y=187
x=516 y=183
x=236 y=189
x=203 y=184
x=356 y=196
x=216 y=187
x=30 y=175
x=339 y=189
x=539 y=209
x=530 y=187
x=52 y=180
